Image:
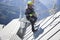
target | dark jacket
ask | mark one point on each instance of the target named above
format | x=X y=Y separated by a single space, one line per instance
x=31 y=18
x=29 y=11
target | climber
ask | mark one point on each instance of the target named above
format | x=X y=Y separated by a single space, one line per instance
x=30 y=14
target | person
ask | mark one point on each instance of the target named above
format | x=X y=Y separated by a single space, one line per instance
x=31 y=15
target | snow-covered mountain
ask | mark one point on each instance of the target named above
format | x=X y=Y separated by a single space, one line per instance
x=49 y=25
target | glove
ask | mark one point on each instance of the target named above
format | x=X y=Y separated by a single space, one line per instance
x=31 y=15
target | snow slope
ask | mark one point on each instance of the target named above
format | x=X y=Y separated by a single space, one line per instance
x=51 y=26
